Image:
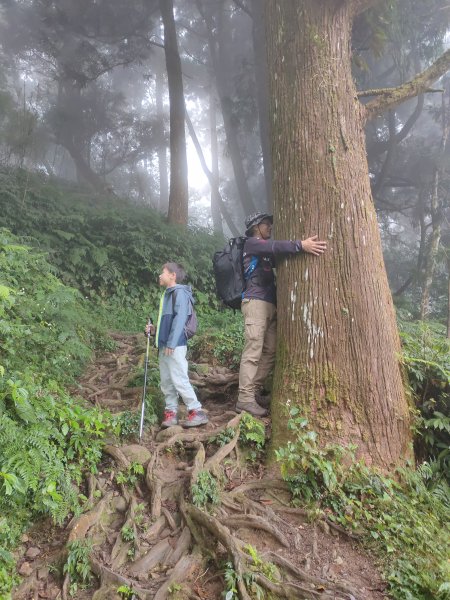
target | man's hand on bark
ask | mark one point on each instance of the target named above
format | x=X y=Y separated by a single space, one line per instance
x=314 y=246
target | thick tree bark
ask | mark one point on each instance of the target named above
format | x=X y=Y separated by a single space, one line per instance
x=338 y=346
x=179 y=194
x=162 y=150
x=262 y=93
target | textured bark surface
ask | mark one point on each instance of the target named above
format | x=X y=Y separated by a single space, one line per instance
x=338 y=346
x=179 y=195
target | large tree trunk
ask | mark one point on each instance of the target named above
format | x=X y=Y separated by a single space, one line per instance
x=70 y=132
x=179 y=195
x=262 y=93
x=338 y=346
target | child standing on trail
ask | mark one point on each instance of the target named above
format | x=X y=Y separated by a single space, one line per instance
x=174 y=309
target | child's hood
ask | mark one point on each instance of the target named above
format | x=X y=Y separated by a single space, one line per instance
x=186 y=289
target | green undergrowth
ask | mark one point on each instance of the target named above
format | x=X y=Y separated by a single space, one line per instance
x=110 y=250
x=402 y=520
x=426 y=355
x=48 y=439
x=219 y=340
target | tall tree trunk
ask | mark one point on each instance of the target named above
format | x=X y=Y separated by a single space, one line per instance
x=179 y=195
x=262 y=93
x=162 y=151
x=215 y=208
x=338 y=346
x=212 y=182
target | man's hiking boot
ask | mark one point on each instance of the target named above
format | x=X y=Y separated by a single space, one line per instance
x=263 y=400
x=195 y=418
x=251 y=407
x=170 y=419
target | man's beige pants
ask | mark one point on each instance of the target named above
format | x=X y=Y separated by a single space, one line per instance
x=258 y=356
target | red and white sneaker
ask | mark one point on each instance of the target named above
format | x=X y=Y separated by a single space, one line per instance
x=196 y=418
x=170 y=419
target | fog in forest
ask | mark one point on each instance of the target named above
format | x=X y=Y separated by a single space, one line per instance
x=85 y=98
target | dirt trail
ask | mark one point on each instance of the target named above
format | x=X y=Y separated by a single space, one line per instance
x=150 y=538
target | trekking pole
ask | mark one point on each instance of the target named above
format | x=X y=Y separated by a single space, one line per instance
x=141 y=426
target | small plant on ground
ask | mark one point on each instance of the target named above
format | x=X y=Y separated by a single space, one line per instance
x=127 y=533
x=77 y=565
x=131 y=476
x=205 y=490
x=252 y=436
x=127 y=593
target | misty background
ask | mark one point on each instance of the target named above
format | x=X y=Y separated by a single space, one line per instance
x=89 y=93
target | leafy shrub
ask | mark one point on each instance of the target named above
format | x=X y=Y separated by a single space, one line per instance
x=43 y=324
x=77 y=565
x=205 y=490
x=109 y=250
x=220 y=340
x=426 y=355
x=404 y=520
x=47 y=439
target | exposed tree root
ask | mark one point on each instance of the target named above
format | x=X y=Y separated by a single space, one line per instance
x=228 y=541
x=303 y=575
x=256 y=522
x=168 y=546
x=109 y=578
x=184 y=568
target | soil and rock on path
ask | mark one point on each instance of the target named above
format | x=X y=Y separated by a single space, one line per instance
x=151 y=538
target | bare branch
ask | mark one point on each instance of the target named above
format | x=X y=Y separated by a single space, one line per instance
x=384 y=91
x=394 y=96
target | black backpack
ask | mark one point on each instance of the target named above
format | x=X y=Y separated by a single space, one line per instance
x=229 y=272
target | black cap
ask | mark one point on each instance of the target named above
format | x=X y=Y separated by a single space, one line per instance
x=255 y=219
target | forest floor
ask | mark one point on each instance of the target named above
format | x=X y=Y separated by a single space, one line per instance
x=150 y=538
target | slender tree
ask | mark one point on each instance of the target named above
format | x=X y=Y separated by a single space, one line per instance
x=338 y=346
x=162 y=150
x=215 y=206
x=179 y=194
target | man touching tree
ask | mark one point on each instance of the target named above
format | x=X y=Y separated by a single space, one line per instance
x=259 y=306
